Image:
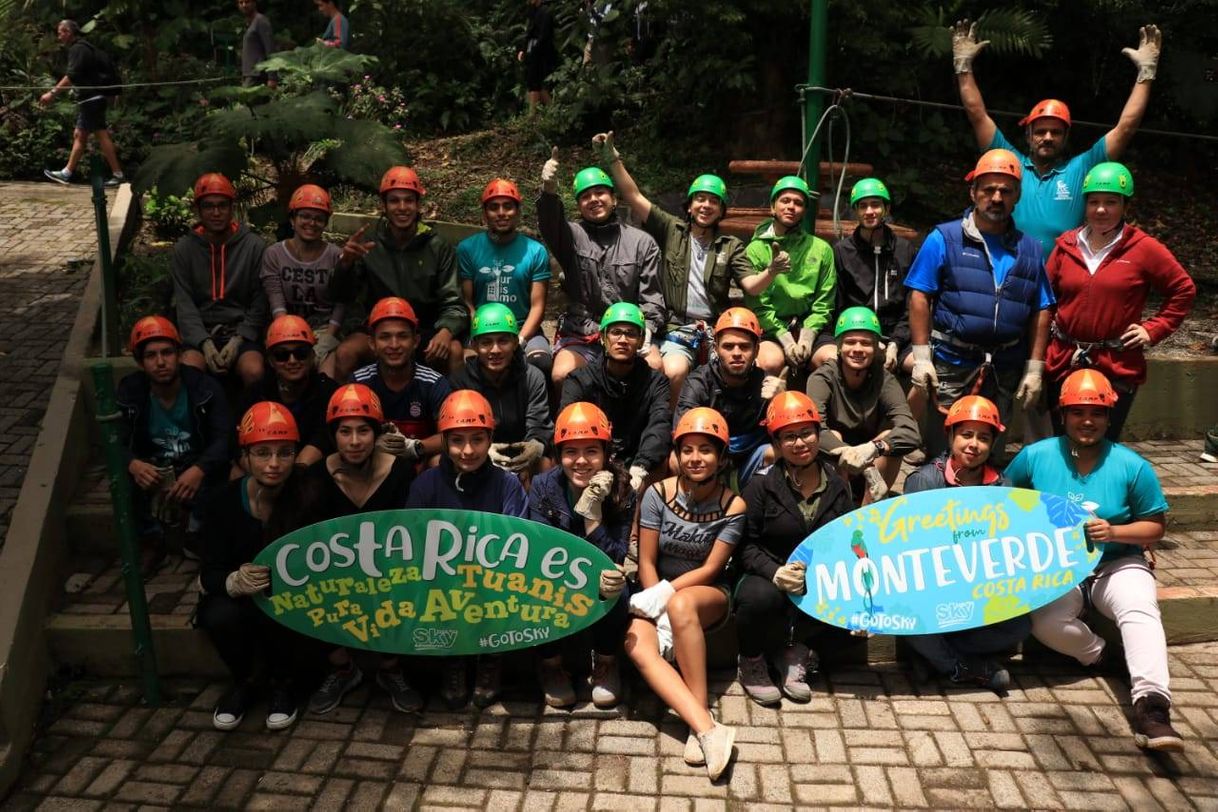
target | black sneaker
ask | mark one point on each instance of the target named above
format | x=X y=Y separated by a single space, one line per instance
x=452 y=689
x=401 y=693
x=333 y=688
x=231 y=708
x=1152 y=728
x=281 y=710
x=983 y=674
x=488 y=677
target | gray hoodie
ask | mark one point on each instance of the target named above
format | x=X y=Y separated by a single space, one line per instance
x=218 y=284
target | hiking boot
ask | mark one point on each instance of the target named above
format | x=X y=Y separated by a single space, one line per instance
x=1210 y=453
x=792 y=665
x=58 y=175
x=452 y=691
x=1152 y=728
x=488 y=676
x=693 y=751
x=984 y=674
x=231 y=708
x=755 y=679
x=282 y=708
x=329 y=695
x=556 y=683
x=606 y=681
x=402 y=694
x=717 y=749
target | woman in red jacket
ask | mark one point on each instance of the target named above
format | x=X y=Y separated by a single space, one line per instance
x=1102 y=274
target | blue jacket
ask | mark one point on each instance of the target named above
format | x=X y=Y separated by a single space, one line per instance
x=548 y=504
x=489 y=489
x=210 y=418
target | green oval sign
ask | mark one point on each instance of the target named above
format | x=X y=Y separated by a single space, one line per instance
x=435 y=582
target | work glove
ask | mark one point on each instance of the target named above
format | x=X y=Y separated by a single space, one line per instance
x=1146 y=56
x=592 y=499
x=612 y=582
x=772 y=385
x=790 y=348
x=924 y=375
x=857 y=457
x=638 y=475
x=499 y=456
x=806 y=339
x=780 y=260
x=212 y=356
x=664 y=639
x=327 y=342
x=891 y=352
x=1028 y=393
x=529 y=454
x=653 y=601
x=876 y=486
x=646 y=345
x=792 y=578
x=549 y=173
x=602 y=147
x=229 y=353
x=248 y=579
x=392 y=441
x=965 y=46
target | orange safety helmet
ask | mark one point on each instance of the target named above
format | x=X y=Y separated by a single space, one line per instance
x=582 y=421
x=974 y=407
x=213 y=183
x=1087 y=387
x=998 y=162
x=739 y=318
x=267 y=422
x=355 y=400
x=150 y=327
x=402 y=177
x=788 y=409
x=500 y=187
x=287 y=329
x=1047 y=108
x=392 y=307
x=701 y=420
x=465 y=409
x=310 y=196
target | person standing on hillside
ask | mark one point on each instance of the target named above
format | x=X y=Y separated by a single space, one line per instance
x=539 y=56
x=257 y=45
x=337 y=33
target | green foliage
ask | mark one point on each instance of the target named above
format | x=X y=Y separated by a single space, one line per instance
x=302 y=69
x=144 y=286
x=1009 y=30
x=372 y=101
x=170 y=215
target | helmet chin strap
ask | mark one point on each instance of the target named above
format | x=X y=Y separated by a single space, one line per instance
x=1118 y=227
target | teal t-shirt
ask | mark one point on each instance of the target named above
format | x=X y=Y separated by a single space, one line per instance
x=1121 y=488
x=1050 y=206
x=171 y=430
x=503 y=273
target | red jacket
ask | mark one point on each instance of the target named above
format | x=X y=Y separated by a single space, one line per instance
x=1101 y=307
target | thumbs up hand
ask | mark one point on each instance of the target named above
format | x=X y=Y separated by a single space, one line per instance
x=549 y=173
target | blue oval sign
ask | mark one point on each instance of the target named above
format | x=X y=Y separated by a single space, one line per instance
x=944 y=560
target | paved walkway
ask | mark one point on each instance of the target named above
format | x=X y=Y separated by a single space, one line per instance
x=47 y=246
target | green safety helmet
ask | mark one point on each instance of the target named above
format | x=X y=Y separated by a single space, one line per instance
x=857 y=318
x=494 y=318
x=711 y=184
x=791 y=182
x=591 y=176
x=869 y=187
x=623 y=313
x=1109 y=176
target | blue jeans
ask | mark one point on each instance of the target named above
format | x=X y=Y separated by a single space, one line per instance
x=946 y=651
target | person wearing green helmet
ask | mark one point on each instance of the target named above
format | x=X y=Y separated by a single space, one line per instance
x=865 y=420
x=699 y=261
x=796 y=305
x=517 y=391
x=634 y=396
x=1102 y=274
x=603 y=261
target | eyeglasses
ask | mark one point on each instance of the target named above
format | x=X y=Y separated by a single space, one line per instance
x=624 y=332
x=283 y=355
x=265 y=454
x=790 y=438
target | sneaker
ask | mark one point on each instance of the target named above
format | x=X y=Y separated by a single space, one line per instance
x=58 y=175
x=1152 y=724
x=115 y=181
x=231 y=708
x=792 y=666
x=555 y=683
x=984 y=674
x=329 y=695
x=693 y=751
x=717 y=748
x=1210 y=454
x=755 y=679
x=488 y=676
x=453 y=689
x=401 y=693
x=606 y=681
x=281 y=710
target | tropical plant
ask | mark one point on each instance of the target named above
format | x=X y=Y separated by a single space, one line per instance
x=170 y=215
x=1009 y=30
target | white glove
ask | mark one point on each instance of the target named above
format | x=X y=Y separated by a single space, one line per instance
x=549 y=173
x=531 y=453
x=891 y=351
x=664 y=639
x=780 y=260
x=652 y=602
x=772 y=385
x=212 y=356
x=1028 y=393
x=806 y=339
x=248 y=579
x=602 y=146
x=965 y=46
x=498 y=458
x=327 y=342
x=646 y=345
x=229 y=353
x=924 y=375
x=790 y=348
x=591 y=500
x=1146 y=57
x=792 y=578
x=876 y=485
x=857 y=457
x=638 y=475
x=612 y=582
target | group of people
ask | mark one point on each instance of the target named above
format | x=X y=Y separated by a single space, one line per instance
x=658 y=416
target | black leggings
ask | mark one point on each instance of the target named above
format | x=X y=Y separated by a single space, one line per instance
x=764 y=617
x=242 y=634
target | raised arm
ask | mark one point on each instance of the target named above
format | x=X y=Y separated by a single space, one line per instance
x=627 y=190
x=1146 y=58
x=965 y=48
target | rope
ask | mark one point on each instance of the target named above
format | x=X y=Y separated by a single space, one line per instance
x=834 y=111
x=131 y=84
x=844 y=93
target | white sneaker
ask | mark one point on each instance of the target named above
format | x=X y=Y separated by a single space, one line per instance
x=606 y=681
x=717 y=748
x=693 y=751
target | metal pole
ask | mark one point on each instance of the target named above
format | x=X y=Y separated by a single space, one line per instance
x=814 y=103
x=124 y=525
x=110 y=337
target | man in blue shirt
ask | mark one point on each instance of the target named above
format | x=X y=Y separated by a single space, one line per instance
x=1052 y=201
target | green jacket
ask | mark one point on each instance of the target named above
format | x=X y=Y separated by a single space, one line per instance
x=805 y=292
x=725 y=261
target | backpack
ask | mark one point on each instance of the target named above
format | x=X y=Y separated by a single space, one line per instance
x=105 y=72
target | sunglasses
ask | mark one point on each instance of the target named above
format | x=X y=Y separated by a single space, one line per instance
x=286 y=354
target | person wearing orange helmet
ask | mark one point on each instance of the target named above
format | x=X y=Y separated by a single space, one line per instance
x=502 y=265
x=1121 y=491
x=797 y=494
x=261 y=655
x=968 y=657
x=296 y=271
x=466 y=479
x=407 y=258
x=587 y=494
x=689 y=526
x=174 y=434
x=217 y=292
x=1052 y=202
x=979 y=301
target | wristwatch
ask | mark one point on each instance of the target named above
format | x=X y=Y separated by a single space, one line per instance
x=880 y=449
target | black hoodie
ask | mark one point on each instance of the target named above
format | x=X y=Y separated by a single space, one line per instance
x=875 y=280
x=637 y=408
x=521 y=403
